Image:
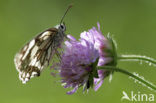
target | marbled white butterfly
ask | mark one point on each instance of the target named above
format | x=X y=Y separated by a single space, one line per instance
x=36 y=54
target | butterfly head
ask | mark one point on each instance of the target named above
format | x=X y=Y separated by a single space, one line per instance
x=61 y=27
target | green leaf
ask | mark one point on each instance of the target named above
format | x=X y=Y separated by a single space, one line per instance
x=113 y=51
x=95 y=73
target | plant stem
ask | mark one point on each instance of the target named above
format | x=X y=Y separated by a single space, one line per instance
x=112 y=68
x=138 y=58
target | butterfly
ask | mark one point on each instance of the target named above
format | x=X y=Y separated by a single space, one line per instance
x=37 y=54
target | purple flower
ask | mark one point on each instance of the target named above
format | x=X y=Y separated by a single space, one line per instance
x=76 y=67
x=102 y=44
x=76 y=61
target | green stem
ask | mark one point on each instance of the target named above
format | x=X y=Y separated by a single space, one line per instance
x=138 y=58
x=112 y=68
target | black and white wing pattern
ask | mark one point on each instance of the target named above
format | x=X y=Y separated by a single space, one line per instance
x=36 y=54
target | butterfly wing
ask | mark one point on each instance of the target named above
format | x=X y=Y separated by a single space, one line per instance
x=36 y=55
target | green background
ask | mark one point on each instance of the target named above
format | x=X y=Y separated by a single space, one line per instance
x=131 y=22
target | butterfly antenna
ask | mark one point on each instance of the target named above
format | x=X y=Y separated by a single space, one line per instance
x=65 y=13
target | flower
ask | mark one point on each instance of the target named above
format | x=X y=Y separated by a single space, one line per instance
x=80 y=59
x=103 y=45
x=76 y=61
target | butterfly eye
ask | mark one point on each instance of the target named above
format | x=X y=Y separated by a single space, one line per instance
x=63 y=27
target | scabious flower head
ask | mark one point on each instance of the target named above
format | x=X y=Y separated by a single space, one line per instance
x=80 y=58
x=105 y=47
x=101 y=43
x=76 y=61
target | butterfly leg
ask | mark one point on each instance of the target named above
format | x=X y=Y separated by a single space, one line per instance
x=58 y=54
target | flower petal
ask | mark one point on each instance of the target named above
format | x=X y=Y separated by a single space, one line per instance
x=72 y=91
